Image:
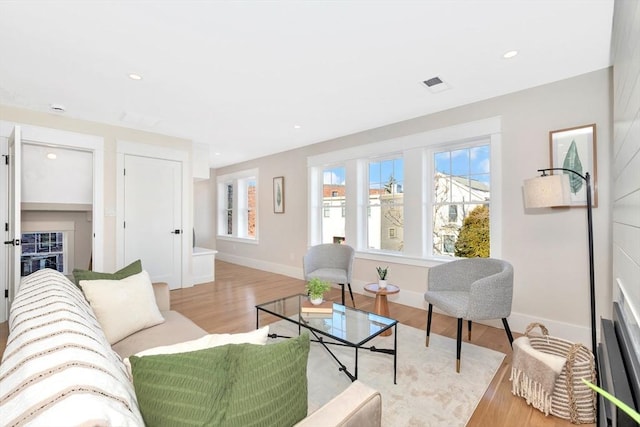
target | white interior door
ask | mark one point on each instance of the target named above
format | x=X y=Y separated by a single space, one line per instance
x=153 y=217
x=13 y=235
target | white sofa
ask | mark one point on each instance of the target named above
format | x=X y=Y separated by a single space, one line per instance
x=59 y=369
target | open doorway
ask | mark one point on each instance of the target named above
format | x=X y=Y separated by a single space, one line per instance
x=56 y=209
x=48 y=217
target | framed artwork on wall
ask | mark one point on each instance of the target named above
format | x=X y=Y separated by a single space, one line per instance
x=278 y=194
x=575 y=149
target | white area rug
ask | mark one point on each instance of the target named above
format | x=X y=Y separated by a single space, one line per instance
x=428 y=392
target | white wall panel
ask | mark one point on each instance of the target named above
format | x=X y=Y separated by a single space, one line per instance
x=628 y=144
x=626 y=164
x=628 y=180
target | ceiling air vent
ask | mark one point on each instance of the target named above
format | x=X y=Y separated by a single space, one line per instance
x=432 y=81
x=435 y=84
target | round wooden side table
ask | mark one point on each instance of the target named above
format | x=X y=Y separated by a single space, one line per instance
x=381 y=305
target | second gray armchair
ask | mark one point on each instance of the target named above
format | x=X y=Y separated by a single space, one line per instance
x=331 y=262
x=471 y=289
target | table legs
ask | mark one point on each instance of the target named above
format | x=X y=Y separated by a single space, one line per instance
x=381 y=308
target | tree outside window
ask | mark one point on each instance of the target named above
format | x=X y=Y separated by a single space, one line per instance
x=461 y=195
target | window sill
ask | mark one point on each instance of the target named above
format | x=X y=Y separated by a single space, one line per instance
x=402 y=259
x=238 y=239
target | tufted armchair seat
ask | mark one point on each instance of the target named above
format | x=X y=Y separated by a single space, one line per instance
x=472 y=289
x=331 y=262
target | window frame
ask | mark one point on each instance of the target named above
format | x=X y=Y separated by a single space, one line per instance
x=391 y=156
x=239 y=182
x=328 y=208
x=454 y=146
x=415 y=149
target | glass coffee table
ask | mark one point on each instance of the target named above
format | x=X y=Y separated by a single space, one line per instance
x=344 y=326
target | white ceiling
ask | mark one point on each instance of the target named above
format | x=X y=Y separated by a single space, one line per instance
x=239 y=75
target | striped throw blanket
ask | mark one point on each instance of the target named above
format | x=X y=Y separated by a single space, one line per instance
x=58 y=368
x=534 y=373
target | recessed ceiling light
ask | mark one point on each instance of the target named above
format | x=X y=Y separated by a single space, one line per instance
x=510 y=54
x=134 y=76
x=297 y=126
x=217 y=153
x=51 y=156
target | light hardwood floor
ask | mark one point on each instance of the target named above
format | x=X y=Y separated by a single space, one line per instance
x=228 y=305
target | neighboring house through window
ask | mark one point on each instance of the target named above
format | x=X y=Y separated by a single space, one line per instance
x=435 y=184
x=461 y=185
x=333 y=202
x=386 y=197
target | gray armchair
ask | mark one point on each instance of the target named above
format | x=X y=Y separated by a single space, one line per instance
x=471 y=289
x=331 y=262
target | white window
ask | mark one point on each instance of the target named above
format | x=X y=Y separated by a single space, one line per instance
x=228 y=207
x=386 y=196
x=430 y=183
x=460 y=199
x=238 y=205
x=326 y=211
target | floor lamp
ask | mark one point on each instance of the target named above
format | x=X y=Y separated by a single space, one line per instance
x=553 y=190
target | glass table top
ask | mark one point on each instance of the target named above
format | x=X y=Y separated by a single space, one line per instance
x=345 y=324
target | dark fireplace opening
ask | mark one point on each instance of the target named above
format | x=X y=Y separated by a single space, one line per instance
x=618 y=369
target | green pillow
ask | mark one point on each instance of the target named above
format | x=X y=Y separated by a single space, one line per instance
x=134 y=268
x=230 y=385
x=183 y=389
x=270 y=386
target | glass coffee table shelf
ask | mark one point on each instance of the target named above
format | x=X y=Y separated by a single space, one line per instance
x=344 y=326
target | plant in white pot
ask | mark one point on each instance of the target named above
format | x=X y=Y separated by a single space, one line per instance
x=316 y=289
x=382 y=276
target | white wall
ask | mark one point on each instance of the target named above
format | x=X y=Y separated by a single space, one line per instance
x=204 y=213
x=73 y=167
x=548 y=249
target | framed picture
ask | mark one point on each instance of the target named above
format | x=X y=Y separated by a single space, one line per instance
x=575 y=149
x=278 y=194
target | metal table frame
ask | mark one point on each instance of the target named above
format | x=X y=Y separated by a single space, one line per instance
x=319 y=336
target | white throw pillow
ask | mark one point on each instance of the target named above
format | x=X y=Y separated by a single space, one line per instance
x=123 y=307
x=259 y=337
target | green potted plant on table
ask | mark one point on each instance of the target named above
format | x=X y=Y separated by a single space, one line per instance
x=382 y=276
x=316 y=289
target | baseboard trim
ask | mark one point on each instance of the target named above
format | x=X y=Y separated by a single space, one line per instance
x=517 y=321
x=271 y=267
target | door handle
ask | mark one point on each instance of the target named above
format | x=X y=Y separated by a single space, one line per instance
x=15 y=242
x=176 y=231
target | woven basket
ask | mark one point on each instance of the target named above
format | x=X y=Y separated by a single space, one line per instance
x=572 y=399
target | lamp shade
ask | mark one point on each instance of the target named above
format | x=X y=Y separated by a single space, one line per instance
x=547 y=191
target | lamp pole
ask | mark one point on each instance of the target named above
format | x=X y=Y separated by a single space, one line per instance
x=587 y=178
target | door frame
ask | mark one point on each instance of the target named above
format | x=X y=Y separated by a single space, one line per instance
x=69 y=140
x=123 y=148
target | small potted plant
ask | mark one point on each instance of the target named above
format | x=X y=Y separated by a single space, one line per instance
x=316 y=289
x=382 y=277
